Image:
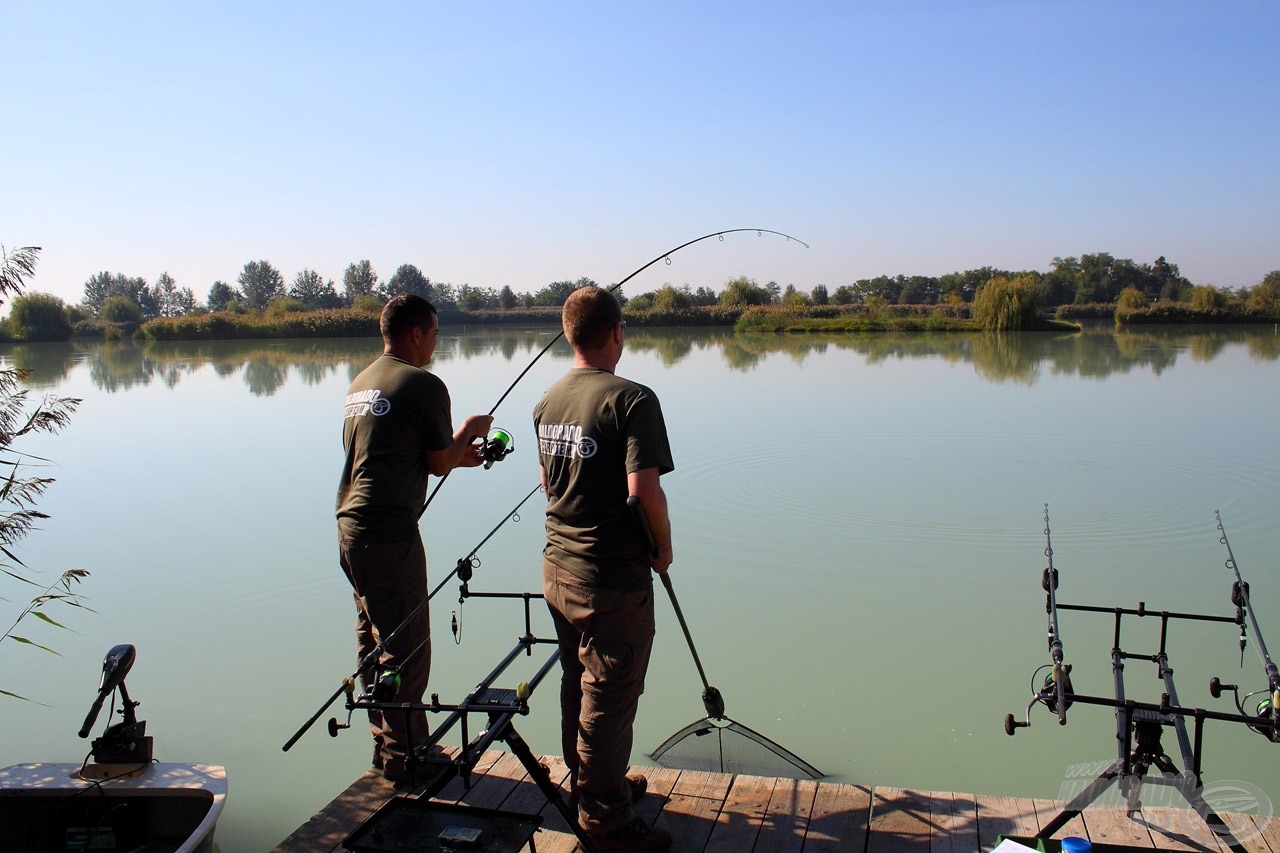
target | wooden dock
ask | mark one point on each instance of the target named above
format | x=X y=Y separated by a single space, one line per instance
x=714 y=812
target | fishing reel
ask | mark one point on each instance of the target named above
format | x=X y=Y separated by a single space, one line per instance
x=1047 y=695
x=498 y=445
x=1265 y=710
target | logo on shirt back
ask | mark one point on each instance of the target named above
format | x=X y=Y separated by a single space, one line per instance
x=363 y=403
x=565 y=440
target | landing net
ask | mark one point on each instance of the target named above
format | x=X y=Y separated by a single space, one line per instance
x=724 y=746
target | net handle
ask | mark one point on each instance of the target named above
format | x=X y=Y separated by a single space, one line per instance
x=637 y=510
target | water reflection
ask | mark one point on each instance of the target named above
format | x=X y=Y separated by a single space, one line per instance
x=265 y=366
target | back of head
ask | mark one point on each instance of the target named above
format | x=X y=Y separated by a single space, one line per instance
x=589 y=315
x=404 y=313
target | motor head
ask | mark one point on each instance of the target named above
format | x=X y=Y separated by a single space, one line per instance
x=115 y=666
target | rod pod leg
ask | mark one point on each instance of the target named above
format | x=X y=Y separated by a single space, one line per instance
x=520 y=749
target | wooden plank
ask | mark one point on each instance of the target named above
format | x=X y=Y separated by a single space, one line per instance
x=527 y=798
x=955 y=823
x=689 y=819
x=740 y=817
x=1047 y=810
x=1004 y=816
x=839 y=818
x=326 y=829
x=697 y=783
x=900 y=821
x=1179 y=829
x=456 y=789
x=787 y=817
x=1268 y=838
x=500 y=779
x=1112 y=825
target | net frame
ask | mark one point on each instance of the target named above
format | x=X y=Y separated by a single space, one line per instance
x=717 y=758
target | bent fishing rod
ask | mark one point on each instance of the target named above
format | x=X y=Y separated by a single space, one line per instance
x=612 y=288
x=463 y=567
x=1269 y=708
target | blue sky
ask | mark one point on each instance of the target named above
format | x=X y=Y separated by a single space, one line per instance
x=521 y=143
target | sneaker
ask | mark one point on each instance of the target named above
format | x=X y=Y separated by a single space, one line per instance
x=635 y=781
x=635 y=837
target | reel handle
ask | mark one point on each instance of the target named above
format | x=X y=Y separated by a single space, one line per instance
x=1011 y=725
x=1216 y=687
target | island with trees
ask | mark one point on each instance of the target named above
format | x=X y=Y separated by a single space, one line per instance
x=262 y=303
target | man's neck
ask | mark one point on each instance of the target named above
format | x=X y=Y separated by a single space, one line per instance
x=596 y=360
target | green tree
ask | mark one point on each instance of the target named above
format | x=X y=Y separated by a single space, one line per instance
x=314 y=291
x=474 y=298
x=793 y=298
x=1206 y=297
x=123 y=313
x=171 y=300
x=359 y=279
x=557 y=292
x=407 y=279
x=260 y=282
x=367 y=302
x=1265 y=297
x=744 y=291
x=668 y=298
x=39 y=317
x=844 y=295
x=1131 y=299
x=1007 y=304
x=19 y=492
x=506 y=298
x=102 y=286
x=221 y=295
x=819 y=296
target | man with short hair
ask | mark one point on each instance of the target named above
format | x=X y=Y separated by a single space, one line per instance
x=602 y=438
x=397 y=429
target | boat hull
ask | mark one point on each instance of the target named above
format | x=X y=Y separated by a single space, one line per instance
x=58 y=807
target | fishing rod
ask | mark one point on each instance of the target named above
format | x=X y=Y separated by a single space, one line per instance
x=664 y=256
x=463 y=568
x=1269 y=708
x=1054 y=694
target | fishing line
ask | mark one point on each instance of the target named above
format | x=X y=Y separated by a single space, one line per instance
x=664 y=256
x=464 y=564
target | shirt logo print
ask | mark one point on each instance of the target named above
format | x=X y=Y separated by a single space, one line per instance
x=363 y=403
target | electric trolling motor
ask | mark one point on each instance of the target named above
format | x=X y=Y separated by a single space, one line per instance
x=125 y=742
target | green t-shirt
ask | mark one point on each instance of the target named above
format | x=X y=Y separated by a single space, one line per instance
x=593 y=429
x=394 y=413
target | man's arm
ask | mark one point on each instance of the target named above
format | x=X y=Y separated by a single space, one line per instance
x=462 y=452
x=645 y=485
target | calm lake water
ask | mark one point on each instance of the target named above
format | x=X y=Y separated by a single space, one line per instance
x=858 y=538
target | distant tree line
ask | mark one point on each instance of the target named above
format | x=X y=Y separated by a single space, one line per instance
x=116 y=304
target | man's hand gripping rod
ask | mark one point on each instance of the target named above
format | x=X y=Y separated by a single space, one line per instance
x=1056 y=690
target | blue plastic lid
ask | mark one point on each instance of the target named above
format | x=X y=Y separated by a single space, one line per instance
x=1076 y=844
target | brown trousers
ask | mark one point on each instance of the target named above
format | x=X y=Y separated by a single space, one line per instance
x=389 y=580
x=605 y=639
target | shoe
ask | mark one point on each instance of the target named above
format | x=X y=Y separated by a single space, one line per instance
x=635 y=781
x=635 y=837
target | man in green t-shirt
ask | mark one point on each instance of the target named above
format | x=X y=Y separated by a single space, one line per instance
x=602 y=438
x=397 y=430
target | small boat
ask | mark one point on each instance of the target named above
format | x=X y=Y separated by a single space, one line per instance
x=118 y=800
